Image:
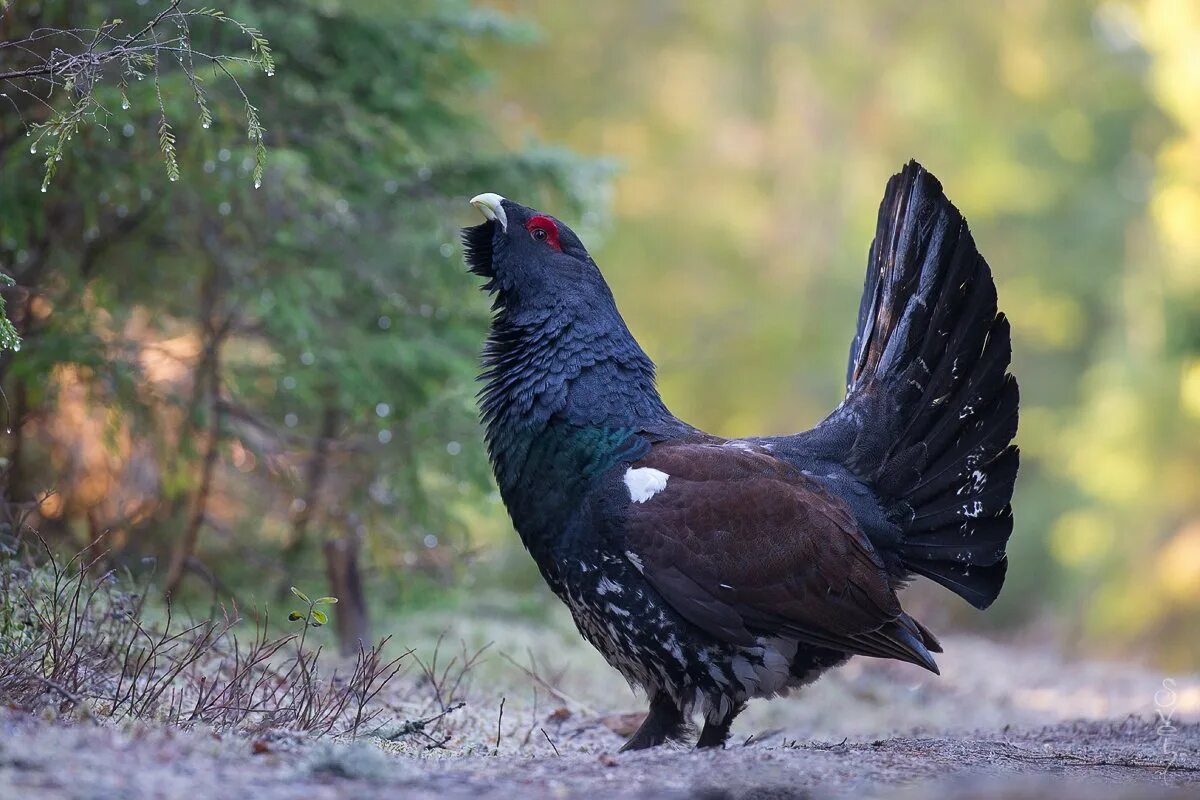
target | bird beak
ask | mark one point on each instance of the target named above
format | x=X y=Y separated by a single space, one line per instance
x=489 y=205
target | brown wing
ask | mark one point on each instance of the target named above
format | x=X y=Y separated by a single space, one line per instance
x=740 y=543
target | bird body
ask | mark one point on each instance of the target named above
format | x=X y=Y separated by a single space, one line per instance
x=711 y=571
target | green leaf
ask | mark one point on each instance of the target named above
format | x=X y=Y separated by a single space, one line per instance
x=319 y=617
x=166 y=143
x=303 y=597
x=326 y=600
x=295 y=616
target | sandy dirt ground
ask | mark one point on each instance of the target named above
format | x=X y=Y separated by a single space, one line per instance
x=1003 y=721
x=1091 y=760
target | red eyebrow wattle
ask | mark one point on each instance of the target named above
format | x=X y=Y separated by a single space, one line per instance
x=548 y=225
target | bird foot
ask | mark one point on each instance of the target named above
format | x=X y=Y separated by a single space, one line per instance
x=663 y=723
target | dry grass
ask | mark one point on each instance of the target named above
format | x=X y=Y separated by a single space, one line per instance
x=72 y=641
x=80 y=644
x=84 y=645
x=458 y=721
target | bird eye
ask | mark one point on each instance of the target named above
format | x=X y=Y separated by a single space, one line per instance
x=543 y=229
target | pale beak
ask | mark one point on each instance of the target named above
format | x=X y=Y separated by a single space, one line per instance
x=489 y=205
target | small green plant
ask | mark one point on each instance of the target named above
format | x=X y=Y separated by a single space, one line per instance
x=313 y=616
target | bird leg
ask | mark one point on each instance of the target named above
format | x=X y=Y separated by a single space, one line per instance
x=665 y=721
x=715 y=733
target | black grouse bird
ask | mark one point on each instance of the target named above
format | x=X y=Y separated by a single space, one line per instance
x=708 y=570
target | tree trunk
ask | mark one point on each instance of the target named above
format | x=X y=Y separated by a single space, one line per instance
x=14 y=485
x=214 y=331
x=186 y=549
x=318 y=467
x=345 y=583
x=95 y=547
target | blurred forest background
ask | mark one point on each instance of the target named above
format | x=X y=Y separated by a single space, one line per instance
x=246 y=388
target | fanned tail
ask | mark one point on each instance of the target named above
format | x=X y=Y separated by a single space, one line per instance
x=928 y=381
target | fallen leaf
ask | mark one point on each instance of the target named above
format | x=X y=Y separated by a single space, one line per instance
x=624 y=724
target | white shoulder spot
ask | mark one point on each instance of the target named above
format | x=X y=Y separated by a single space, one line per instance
x=645 y=482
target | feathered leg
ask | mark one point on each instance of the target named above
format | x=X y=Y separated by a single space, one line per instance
x=665 y=721
x=716 y=733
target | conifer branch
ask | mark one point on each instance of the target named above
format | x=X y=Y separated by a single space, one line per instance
x=62 y=80
x=65 y=67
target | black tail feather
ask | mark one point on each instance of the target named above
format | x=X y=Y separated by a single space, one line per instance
x=988 y=496
x=977 y=395
x=979 y=586
x=929 y=367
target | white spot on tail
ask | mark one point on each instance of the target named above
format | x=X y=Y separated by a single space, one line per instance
x=644 y=482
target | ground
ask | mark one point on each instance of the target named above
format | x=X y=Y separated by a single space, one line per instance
x=1085 y=760
x=1012 y=719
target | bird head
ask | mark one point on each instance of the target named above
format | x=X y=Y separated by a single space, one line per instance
x=558 y=345
x=531 y=260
